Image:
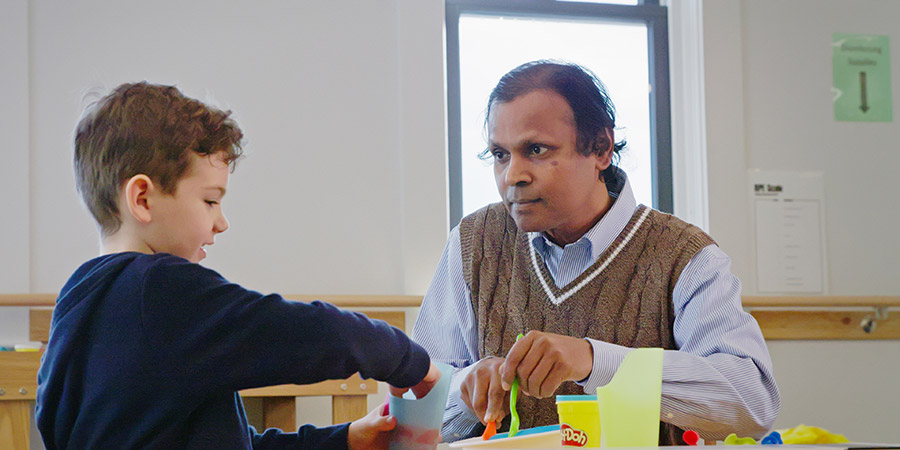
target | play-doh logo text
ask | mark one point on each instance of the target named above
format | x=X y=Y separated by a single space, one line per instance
x=573 y=437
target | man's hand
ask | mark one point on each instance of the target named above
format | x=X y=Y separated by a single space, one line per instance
x=372 y=431
x=423 y=387
x=483 y=392
x=543 y=361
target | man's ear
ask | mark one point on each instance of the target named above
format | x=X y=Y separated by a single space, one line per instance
x=137 y=197
x=603 y=147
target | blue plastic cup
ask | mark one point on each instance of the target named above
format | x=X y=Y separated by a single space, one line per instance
x=419 y=420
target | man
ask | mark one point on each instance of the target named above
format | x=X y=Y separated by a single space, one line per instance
x=570 y=259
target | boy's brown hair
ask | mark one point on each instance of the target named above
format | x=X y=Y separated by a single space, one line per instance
x=142 y=128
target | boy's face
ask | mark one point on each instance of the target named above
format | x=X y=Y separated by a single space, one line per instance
x=191 y=218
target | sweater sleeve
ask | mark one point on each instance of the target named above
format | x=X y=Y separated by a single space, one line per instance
x=308 y=436
x=215 y=335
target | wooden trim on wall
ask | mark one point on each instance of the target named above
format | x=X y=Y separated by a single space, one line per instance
x=838 y=325
x=826 y=317
x=27 y=299
x=753 y=301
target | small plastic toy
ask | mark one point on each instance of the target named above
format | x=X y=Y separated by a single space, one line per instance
x=803 y=434
x=513 y=395
x=527 y=431
x=690 y=437
x=773 y=438
x=489 y=431
x=733 y=439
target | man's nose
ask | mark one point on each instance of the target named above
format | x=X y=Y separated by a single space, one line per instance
x=518 y=171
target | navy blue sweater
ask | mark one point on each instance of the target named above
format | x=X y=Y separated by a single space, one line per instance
x=148 y=351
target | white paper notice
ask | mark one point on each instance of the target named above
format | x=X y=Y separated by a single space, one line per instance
x=789 y=212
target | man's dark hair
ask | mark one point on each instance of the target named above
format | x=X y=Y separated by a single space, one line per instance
x=148 y=129
x=582 y=90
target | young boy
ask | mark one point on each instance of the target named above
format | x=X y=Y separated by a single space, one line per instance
x=148 y=348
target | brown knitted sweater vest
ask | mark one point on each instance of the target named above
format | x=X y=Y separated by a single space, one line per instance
x=628 y=303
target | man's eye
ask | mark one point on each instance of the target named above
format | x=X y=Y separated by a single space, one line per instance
x=500 y=155
x=211 y=202
x=536 y=150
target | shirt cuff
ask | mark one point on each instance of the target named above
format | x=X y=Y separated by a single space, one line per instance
x=459 y=420
x=456 y=394
x=607 y=358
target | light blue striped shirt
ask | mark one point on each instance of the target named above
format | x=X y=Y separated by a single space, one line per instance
x=720 y=381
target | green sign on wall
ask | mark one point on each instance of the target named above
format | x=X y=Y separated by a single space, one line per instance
x=862 y=78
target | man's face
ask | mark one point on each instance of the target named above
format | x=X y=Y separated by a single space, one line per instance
x=190 y=219
x=545 y=183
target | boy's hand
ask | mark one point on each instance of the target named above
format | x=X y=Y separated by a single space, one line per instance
x=424 y=386
x=372 y=431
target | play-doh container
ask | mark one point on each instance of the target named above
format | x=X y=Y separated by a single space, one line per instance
x=579 y=420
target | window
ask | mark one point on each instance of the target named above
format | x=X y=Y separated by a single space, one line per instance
x=626 y=46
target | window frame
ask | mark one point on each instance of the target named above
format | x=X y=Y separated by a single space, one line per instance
x=648 y=12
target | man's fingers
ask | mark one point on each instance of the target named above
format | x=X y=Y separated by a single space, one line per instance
x=496 y=397
x=535 y=379
x=514 y=358
x=466 y=396
x=553 y=380
x=480 y=398
x=529 y=364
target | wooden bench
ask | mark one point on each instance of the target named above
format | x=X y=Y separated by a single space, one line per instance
x=18 y=371
x=18 y=383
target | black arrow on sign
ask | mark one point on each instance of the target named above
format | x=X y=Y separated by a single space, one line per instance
x=864 y=105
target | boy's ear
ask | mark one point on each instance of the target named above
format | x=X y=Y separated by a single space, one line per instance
x=137 y=193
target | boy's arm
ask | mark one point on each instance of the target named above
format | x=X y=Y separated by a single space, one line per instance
x=217 y=335
x=308 y=436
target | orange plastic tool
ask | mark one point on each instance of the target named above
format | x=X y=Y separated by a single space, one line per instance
x=489 y=431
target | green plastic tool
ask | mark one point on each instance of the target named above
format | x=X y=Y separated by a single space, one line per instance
x=513 y=395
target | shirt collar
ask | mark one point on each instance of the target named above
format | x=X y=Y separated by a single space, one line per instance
x=605 y=231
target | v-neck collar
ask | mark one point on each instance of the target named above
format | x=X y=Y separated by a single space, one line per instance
x=559 y=295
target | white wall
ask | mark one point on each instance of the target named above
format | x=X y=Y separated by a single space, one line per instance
x=768 y=79
x=319 y=205
x=14 y=198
